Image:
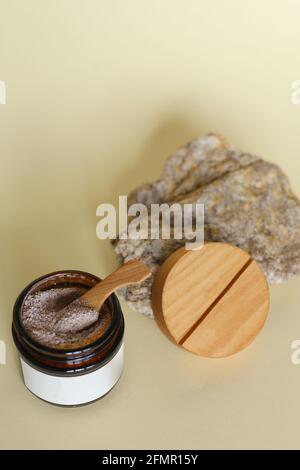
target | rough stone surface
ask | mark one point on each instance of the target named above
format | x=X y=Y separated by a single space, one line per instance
x=248 y=203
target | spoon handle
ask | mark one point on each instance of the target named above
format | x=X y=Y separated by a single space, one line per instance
x=132 y=272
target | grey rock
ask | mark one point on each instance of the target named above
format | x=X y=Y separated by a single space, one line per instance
x=248 y=203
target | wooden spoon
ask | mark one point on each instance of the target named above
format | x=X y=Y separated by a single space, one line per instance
x=132 y=272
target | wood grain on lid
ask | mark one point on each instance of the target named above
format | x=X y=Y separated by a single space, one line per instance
x=212 y=301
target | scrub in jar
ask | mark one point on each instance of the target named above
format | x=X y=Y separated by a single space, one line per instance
x=42 y=310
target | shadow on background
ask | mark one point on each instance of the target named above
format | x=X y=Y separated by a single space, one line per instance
x=149 y=160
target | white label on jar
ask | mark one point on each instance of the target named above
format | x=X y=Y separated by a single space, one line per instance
x=74 y=390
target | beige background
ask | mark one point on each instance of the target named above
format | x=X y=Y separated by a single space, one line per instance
x=98 y=94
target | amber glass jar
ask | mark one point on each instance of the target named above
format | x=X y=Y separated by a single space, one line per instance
x=82 y=372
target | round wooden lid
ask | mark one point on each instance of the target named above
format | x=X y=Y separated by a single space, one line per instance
x=212 y=301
